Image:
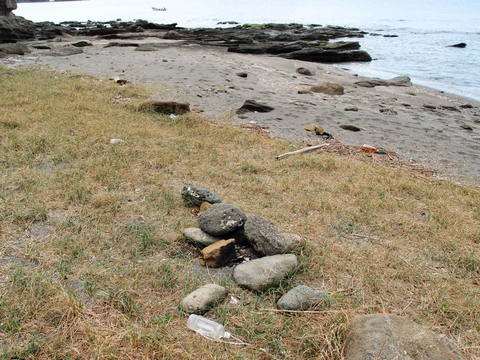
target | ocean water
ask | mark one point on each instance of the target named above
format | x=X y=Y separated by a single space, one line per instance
x=425 y=29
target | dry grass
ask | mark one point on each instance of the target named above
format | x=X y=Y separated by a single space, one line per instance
x=92 y=264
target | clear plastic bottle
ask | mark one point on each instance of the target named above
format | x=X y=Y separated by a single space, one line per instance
x=207 y=327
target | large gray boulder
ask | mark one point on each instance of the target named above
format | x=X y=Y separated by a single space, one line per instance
x=265 y=237
x=387 y=336
x=221 y=219
x=260 y=274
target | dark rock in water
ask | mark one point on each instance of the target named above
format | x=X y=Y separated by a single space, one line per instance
x=466 y=106
x=390 y=36
x=459 y=45
x=328 y=56
x=350 y=127
x=253 y=106
x=14 y=28
x=195 y=196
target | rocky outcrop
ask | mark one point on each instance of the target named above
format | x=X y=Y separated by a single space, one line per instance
x=14 y=28
x=328 y=56
x=292 y=41
x=6 y=7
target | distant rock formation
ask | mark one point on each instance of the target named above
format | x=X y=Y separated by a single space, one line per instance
x=13 y=28
x=6 y=7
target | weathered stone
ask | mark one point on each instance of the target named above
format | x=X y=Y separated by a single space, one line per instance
x=304 y=91
x=399 y=81
x=199 y=237
x=310 y=127
x=466 y=127
x=351 y=108
x=328 y=56
x=264 y=236
x=205 y=205
x=301 y=297
x=195 y=196
x=242 y=74
x=389 y=110
x=319 y=130
x=253 y=106
x=82 y=44
x=292 y=242
x=304 y=71
x=218 y=254
x=65 y=51
x=14 y=28
x=387 y=336
x=260 y=274
x=265 y=272
x=203 y=299
x=14 y=49
x=328 y=88
x=220 y=219
x=350 y=127
x=166 y=107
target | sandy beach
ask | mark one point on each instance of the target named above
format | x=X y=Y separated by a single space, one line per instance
x=434 y=128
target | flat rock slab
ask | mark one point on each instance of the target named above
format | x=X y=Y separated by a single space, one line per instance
x=260 y=274
x=203 y=299
x=387 y=336
x=200 y=237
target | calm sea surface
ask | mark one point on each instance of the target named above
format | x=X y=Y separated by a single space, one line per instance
x=424 y=29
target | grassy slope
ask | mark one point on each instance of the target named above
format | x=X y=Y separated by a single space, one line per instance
x=92 y=264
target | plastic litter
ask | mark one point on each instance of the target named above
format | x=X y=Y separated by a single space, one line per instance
x=116 y=141
x=207 y=327
x=373 y=149
x=211 y=330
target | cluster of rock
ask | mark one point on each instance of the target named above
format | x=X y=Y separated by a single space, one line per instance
x=223 y=228
x=292 y=41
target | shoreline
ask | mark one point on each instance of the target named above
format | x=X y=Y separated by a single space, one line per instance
x=425 y=124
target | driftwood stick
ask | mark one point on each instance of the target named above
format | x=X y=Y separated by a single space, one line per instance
x=301 y=151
